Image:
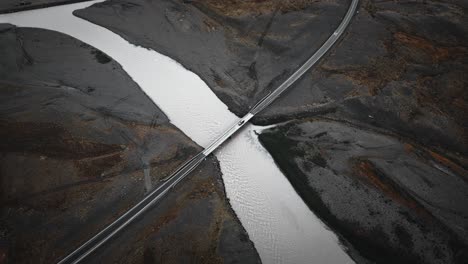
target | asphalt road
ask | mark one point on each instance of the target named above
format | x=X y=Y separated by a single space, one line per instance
x=107 y=233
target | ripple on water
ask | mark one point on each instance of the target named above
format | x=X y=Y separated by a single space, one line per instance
x=281 y=226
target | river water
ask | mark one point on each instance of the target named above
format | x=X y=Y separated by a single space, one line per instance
x=279 y=223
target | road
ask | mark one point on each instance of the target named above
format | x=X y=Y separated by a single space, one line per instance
x=154 y=196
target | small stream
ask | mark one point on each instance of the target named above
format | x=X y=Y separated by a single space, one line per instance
x=279 y=223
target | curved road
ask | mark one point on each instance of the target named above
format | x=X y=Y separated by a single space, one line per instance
x=154 y=196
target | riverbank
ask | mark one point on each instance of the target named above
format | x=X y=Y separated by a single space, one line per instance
x=81 y=144
x=275 y=217
x=241 y=50
x=393 y=200
x=399 y=72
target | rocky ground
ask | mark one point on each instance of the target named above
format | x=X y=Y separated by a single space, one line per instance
x=81 y=143
x=376 y=134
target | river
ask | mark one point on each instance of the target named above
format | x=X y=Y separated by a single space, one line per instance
x=279 y=223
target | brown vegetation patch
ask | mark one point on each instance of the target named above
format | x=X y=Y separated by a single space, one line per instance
x=378 y=74
x=168 y=217
x=202 y=190
x=449 y=164
x=202 y=250
x=61 y=198
x=408 y=147
x=373 y=76
x=49 y=139
x=369 y=174
x=96 y=166
x=437 y=54
x=142 y=130
x=3 y=254
x=237 y=8
x=449 y=98
x=426 y=155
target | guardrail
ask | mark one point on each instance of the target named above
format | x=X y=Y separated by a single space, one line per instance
x=170 y=182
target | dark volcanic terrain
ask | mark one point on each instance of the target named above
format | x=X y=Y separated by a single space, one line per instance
x=241 y=49
x=10 y=6
x=81 y=143
x=394 y=201
x=376 y=141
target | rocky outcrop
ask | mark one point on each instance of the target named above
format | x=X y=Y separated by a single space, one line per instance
x=81 y=143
